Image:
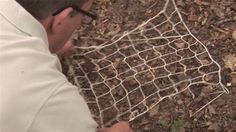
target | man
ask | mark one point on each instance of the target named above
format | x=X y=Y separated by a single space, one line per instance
x=35 y=95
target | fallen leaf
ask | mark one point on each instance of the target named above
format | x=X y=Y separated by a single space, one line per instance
x=154 y=111
x=143 y=2
x=192 y=15
x=233 y=81
x=218 y=10
x=211 y=109
x=198 y=2
x=213 y=127
x=116 y=29
x=180 y=45
x=208 y=123
x=230 y=61
x=234 y=35
x=180 y=101
x=180 y=3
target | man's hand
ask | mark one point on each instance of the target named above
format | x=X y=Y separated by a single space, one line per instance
x=118 y=127
x=67 y=50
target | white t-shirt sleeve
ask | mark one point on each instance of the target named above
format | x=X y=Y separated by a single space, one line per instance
x=34 y=95
x=65 y=111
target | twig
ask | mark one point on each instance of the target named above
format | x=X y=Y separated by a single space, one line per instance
x=207 y=104
x=219 y=29
x=152 y=6
x=225 y=21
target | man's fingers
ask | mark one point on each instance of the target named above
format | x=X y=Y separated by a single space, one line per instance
x=122 y=124
x=118 y=127
x=103 y=130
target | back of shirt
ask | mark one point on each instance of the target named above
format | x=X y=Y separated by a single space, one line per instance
x=34 y=95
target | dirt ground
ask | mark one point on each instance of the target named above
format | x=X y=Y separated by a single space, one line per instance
x=213 y=23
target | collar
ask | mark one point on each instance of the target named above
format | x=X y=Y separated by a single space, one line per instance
x=21 y=19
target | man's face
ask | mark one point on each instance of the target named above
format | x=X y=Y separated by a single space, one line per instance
x=66 y=29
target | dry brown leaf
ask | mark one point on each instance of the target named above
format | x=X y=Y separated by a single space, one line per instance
x=179 y=101
x=116 y=29
x=218 y=10
x=143 y=2
x=154 y=111
x=200 y=2
x=230 y=61
x=190 y=112
x=211 y=109
x=180 y=45
x=180 y=3
x=192 y=15
x=213 y=127
x=234 y=35
x=233 y=81
x=208 y=123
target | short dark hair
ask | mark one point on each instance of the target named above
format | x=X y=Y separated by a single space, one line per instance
x=41 y=9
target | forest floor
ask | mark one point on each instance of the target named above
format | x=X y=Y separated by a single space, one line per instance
x=214 y=24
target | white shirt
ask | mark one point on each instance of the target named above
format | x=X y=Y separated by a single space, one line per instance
x=34 y=95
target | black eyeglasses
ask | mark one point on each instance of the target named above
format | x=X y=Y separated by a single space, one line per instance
x=78 y=9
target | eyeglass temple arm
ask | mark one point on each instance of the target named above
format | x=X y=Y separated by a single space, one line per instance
x=84 y=12
x=77 y=9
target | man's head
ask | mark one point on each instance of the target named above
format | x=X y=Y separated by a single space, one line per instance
x=59 y=17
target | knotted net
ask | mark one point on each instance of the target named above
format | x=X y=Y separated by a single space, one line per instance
x=124 y=78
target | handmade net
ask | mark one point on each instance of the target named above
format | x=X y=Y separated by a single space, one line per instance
x=127 y=76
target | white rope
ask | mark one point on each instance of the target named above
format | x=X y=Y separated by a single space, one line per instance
x=127 y=77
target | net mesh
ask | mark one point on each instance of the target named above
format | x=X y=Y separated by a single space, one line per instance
x=127 y=76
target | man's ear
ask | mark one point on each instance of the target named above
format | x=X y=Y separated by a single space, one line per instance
x=60 y=19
